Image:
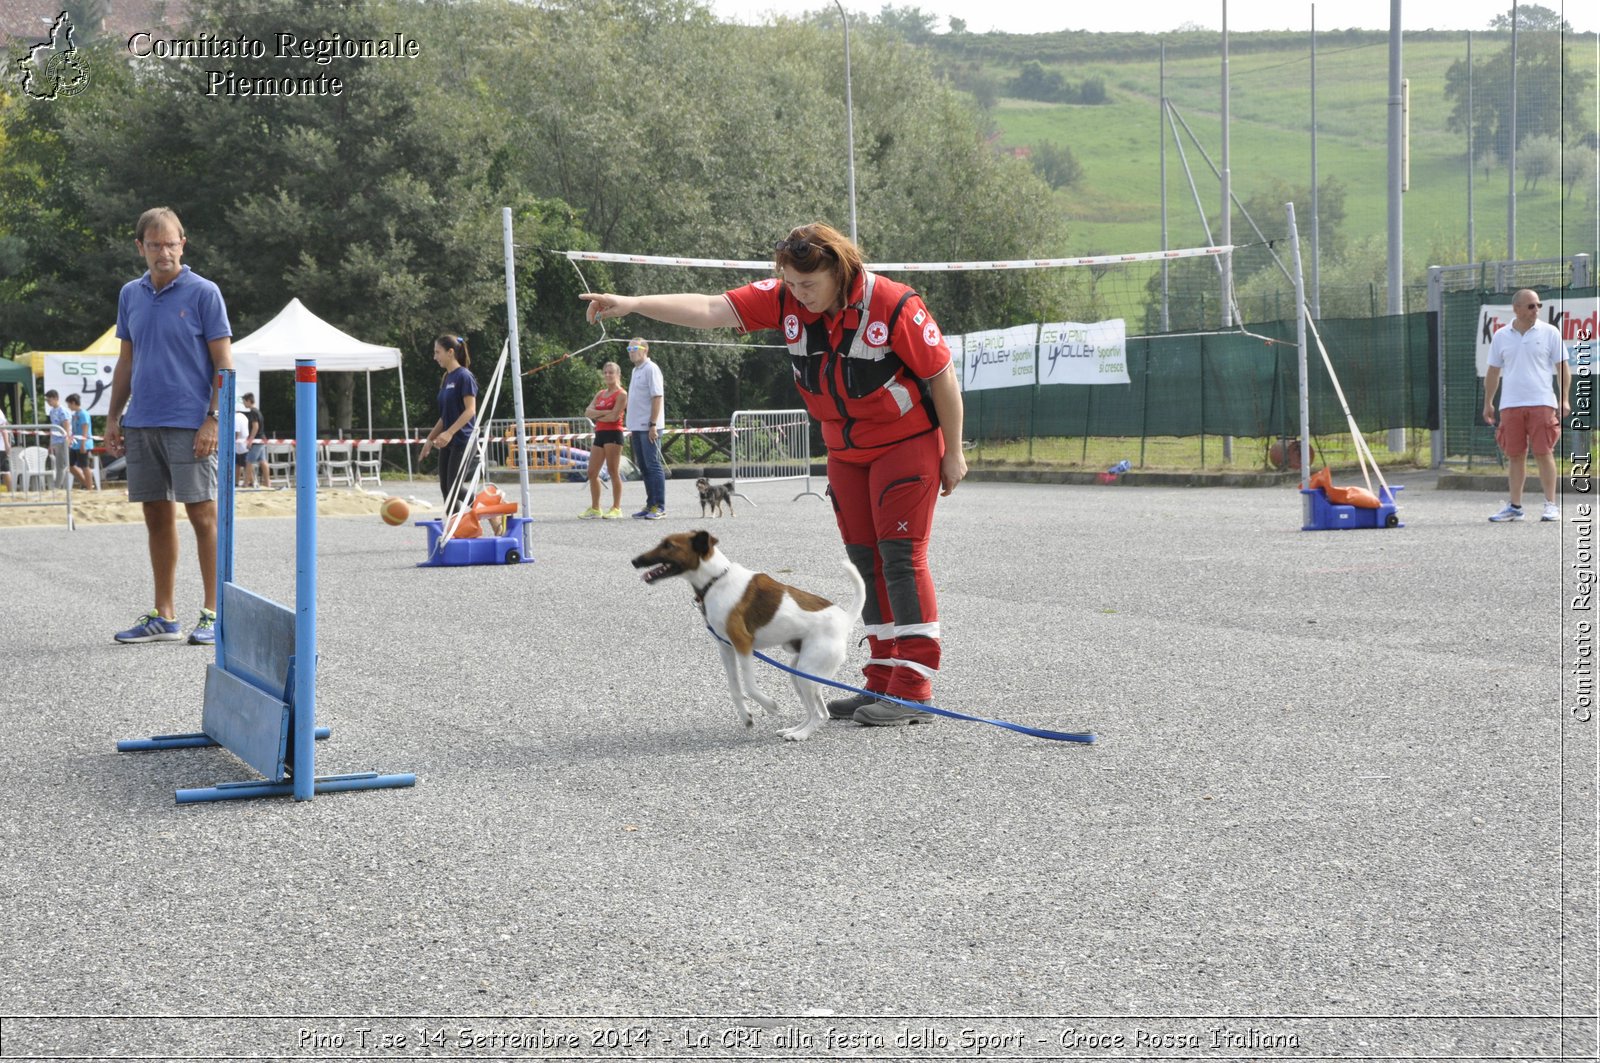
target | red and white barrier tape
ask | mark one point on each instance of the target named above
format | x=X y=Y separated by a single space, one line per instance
x=560 y=438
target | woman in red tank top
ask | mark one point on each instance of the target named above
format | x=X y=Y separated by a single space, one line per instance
x=607 y=411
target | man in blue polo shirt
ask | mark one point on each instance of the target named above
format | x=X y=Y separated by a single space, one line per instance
x=175 y=336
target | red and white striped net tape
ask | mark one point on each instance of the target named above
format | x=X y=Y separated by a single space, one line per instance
x=564 y=437
x=912 y=267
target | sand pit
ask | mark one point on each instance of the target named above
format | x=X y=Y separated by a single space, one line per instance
x=111 y=506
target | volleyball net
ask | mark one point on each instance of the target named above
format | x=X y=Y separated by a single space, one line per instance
x=1036 y=338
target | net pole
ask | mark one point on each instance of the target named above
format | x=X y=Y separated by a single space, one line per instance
x=1300 y=340
x=516 y=374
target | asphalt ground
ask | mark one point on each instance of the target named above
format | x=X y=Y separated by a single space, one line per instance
x=1327 y=799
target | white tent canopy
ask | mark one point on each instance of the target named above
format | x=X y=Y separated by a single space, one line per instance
x=298 y=333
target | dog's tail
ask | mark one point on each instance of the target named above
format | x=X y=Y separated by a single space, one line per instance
x=860 y=601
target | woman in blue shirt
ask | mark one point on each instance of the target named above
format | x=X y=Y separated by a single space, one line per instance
x=458 y=406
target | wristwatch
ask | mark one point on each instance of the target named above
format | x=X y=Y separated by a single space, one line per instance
x=211 y=414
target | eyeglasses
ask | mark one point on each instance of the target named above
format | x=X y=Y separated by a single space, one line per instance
x=1531 y=306
x=158 y=245
x=636 y=347
x=798 y=248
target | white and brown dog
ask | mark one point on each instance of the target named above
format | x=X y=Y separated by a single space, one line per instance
x=751 y=611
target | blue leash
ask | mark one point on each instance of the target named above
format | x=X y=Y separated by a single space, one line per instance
x=1035 y=732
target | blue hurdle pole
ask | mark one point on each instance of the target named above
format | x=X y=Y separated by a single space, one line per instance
x=228 y=380
x=197 y=740
x=305 y=577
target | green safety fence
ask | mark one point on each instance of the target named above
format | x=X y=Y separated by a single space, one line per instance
x=1231 y=384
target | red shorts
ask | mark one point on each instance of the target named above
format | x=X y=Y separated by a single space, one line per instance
x=1525 y=428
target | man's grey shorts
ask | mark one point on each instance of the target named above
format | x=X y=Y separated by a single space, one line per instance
x=162 y=466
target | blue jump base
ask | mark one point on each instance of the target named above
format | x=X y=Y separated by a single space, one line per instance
x=1322 y=515
x=488 y=550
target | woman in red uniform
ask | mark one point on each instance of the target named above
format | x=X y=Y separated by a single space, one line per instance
x=609 y=407
x=873 y=370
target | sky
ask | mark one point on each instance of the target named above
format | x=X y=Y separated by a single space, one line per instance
x=1156 y=16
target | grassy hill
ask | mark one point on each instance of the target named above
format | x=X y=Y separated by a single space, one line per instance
x=1116 y=204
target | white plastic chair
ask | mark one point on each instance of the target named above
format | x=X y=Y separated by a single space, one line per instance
x=280 y=461
x=369 y=462
x=337 y=462
x=32 y=468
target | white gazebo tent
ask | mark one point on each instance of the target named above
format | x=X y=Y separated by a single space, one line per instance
x=298 y=333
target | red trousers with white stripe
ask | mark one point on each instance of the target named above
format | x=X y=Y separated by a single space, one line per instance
x=884 y=507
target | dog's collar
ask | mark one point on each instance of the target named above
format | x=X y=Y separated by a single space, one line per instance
x=700 y=596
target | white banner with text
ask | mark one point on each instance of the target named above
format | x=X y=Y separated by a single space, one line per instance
x=1000 y=358
x=1074 y=353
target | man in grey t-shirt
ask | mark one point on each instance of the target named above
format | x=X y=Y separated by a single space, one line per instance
x=646 y=418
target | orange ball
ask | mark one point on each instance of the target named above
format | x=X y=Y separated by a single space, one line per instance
x=394 y=511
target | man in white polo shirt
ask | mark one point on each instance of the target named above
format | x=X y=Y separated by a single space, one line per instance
x=1523 y=356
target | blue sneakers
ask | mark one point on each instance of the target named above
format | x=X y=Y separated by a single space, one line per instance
x=205 y=630
x=151 y=627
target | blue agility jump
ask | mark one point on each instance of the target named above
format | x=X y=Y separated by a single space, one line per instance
x=260 y=694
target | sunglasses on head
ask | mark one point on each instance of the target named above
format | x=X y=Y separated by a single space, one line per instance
x=798 y=248
x=635 y=347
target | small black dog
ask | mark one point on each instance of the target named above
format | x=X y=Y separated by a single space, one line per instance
x=714 y=496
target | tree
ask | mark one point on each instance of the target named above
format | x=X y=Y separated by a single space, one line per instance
x=1193 y=284
x=381 y=206
x=88 y=18
x=911 y=23
x=664 y=172
x=1539 y=157
x=1056 y=164
x=1531 y=17
x=1578 y=168
x=1552 y=94
x=377 y=206
x=1034 y=82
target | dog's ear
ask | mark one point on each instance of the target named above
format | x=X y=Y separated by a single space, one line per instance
x=702 y=542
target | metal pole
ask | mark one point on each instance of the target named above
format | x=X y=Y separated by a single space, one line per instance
x=1300 y=339
x=1166 y=322
x=1316 y=210
x=1435 y=310
x=849 y=118
x=1397 y=436
x=405 y=417
x=1472 y=159
x=1227 y=186
x=1511 y=151
x=516 y=375
x=1396 y=235
x=1227 y=220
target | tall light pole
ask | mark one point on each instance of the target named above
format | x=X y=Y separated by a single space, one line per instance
x=849 y=118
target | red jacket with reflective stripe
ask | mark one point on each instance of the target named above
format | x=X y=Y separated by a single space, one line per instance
x=862 y=373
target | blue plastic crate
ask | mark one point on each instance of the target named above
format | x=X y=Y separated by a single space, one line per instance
x=1322 y=515
x=487 y=550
